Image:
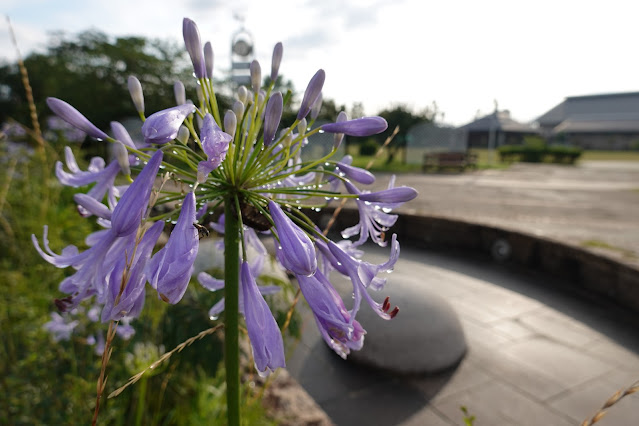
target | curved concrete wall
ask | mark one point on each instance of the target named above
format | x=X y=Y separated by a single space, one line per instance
x=588 y=272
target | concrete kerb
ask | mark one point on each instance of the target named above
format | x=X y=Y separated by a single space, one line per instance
x=590 y=273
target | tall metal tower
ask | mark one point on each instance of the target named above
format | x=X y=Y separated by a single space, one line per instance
x=242 y=54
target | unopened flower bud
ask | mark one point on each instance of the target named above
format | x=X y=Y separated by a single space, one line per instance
x=183 y=135
x=208 y=59
x=272 y=117
x=313 y=90
x=338 y=137
x=317 y=106
x=194 y=46
x=135 y=89
x=122 y=155
x=302 y=126
x=200 y=94
x=121 y=134
x=180 y=93
x=75 y=118
x=393 y=195
x=260 y=98
x=256 y=75
x=242 y=94
x=238 y=109
x=365 y=126
x=230 y=122
x=278 y=51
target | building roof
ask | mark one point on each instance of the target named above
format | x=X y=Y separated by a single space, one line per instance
x=498 y=121
x=612 y=112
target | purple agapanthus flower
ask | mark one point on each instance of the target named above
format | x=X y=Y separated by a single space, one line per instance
x=265 y=335
x=313 y=91
x=337 y=325
x=60 y=328
x=126 y=299
x=132 y=206
x=238 y=156
x=295 y=250
x=272 y=117
x=75 y=118
x=169 y=270
x=194 y=47
x=215 y=144
x=163 y=126
x=365 y=126
x=364 y=275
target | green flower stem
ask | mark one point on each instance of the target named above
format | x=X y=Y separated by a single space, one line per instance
x=231 y=309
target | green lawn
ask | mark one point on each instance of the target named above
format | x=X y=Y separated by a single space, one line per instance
x=484 y=160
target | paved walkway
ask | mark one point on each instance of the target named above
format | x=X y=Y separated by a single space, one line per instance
x=594 y=205
x=539 y=354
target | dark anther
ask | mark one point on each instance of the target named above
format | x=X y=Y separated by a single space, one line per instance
x=394 y=312
x=386 y=304
x=63 y=304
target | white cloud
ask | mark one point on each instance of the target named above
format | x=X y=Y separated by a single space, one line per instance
x=462 y=54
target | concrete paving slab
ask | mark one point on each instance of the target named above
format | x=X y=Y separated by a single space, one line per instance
x=582 y=403
x=567 y=365
x=559 y=327
x=512 y=408
x=523 y=372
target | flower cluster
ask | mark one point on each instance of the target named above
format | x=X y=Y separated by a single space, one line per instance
x=248 y=160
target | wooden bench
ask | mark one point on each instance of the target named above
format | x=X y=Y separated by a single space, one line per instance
x=449 y=160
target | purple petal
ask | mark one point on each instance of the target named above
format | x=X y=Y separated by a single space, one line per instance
x=163 y=126
x=194 y=47
x=296 y=248
x=313 y=90
x=127 y=215
x=365 y=126
x=336 y=324
x=75 y=118
x=170 y=269
x=215 y=142
x=400 y=194
x=265 y=336
x=357 y=174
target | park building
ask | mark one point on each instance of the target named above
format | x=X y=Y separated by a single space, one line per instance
x=603 y=122
x=496 y=129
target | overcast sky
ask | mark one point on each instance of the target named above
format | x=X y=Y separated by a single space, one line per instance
x=461 y=54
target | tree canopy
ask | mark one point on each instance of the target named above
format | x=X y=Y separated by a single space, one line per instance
x=90 y=71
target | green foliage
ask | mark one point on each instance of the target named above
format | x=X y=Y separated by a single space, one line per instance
x=92 y=69
x=469 y=419
x=369 y=147
x=44 y=382
x=405 y=118
x=535 y=150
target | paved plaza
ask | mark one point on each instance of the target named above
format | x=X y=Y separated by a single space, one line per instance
x=538 y=353
x=594 y=205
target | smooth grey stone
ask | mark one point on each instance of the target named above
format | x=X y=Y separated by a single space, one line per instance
x=426 y=336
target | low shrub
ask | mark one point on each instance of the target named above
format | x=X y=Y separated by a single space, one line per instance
x=536 y=152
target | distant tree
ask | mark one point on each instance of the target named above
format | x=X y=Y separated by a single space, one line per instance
x=404 y=117
x=90 y=71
